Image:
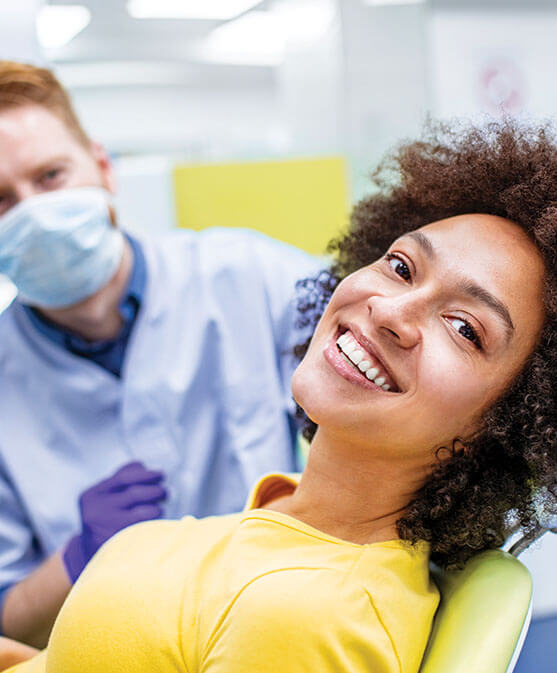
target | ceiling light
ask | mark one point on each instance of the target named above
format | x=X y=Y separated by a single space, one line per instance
x=59 y=24
x=221 y=10
x=260 y=37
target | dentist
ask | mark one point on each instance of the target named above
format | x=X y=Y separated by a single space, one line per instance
x=140 y=379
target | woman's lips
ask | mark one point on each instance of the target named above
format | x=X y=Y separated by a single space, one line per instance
x=350 y=371
x=366 y=361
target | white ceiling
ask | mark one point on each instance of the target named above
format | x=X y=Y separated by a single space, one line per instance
x=116 y=36
x=118 y=50
x=113 y=35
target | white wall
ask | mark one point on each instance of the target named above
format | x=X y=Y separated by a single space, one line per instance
x=541 y=559
x=193 y=123
x=18 y=38
x=144 y=197
x=385 y=83
x=309 y=81
x=494 y=62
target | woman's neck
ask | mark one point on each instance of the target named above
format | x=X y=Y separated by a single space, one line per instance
x=351 y=494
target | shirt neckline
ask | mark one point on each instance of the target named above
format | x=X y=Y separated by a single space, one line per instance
x=296 y=525
x=271 y=486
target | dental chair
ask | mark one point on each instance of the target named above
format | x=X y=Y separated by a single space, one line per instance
x=484 y=613
x=482 y=618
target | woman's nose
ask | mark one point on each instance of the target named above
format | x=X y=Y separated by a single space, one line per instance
x=399 y=317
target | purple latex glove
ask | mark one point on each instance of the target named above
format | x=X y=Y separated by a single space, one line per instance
x=130 y=495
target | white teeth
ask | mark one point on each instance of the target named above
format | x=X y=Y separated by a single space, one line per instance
x=372 y=373
x=353 y=354
x=345 y=358
x=364 y=365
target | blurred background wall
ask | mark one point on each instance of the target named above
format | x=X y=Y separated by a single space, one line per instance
x=279 y=79
x=168 y=84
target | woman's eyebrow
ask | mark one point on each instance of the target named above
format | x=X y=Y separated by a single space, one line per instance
x=425 y=244
x=474 y=290
x=468 y=286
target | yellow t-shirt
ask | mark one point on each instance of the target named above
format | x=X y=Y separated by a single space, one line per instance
x=255 y=592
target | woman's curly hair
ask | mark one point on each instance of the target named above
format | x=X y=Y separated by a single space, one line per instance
x=507 y=474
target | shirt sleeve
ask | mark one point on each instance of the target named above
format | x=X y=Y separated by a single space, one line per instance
x=19 y=552
x=281 y=266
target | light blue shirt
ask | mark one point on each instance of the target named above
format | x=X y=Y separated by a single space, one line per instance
x=204 y=393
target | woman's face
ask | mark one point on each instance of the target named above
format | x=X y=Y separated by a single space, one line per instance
x=445 y=321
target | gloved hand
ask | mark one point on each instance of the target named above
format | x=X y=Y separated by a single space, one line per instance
x=130 y=495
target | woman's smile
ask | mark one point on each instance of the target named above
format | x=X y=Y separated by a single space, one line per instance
x=357 y=363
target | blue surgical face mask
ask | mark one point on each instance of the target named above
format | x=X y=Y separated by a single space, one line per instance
x=60 y=247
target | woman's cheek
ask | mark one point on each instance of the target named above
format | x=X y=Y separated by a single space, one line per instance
x=456 y=400
x=448 y=383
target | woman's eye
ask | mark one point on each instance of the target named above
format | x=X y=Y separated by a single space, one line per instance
x=466 y=330
x=399 y=267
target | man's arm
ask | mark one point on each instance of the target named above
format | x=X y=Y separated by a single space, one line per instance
x=281 y=266
x=31 y=606
x=132 y=494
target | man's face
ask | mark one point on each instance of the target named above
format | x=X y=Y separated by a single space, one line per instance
x=40 y=154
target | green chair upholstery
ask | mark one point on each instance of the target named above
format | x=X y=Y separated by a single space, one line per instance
x=482 y=618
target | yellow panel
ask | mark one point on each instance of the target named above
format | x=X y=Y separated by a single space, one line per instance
x=302 y=202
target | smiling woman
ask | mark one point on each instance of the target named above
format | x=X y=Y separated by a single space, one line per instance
x=446 y=280
x=429 y=385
